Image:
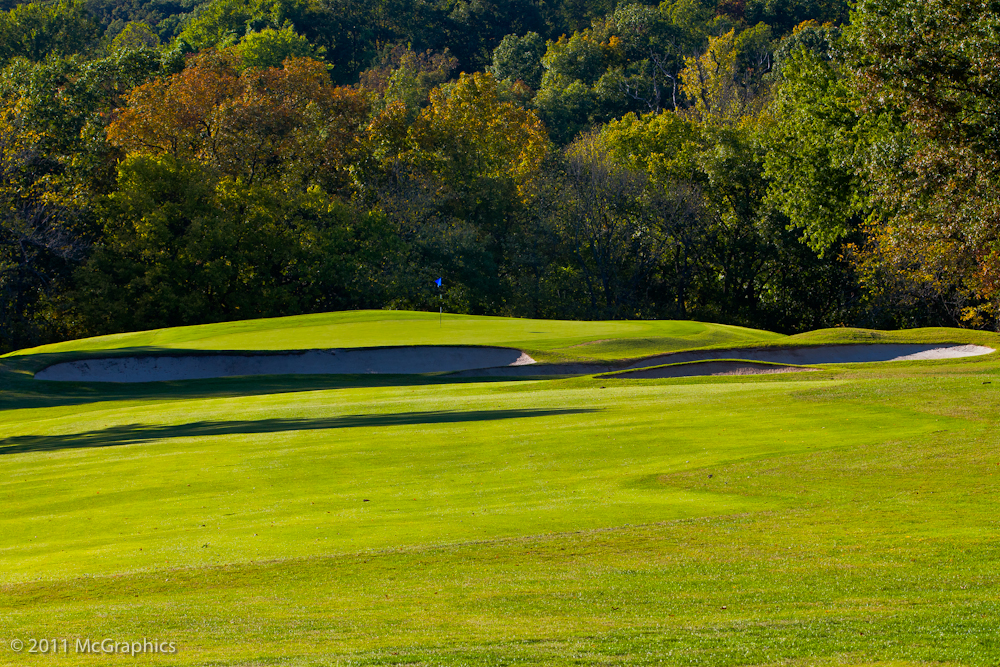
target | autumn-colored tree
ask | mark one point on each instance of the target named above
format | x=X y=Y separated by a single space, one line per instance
x=452 y=180
x=407 y=77
x=179 y=115
x=727 y=82
x=288 y=122
x=470 y=132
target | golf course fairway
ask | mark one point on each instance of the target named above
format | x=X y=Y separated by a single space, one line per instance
x=844 y=516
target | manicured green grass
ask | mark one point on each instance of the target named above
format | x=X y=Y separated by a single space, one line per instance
x=846 y=516
x=549 y=340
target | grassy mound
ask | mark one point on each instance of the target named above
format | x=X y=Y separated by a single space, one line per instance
x=546 y=340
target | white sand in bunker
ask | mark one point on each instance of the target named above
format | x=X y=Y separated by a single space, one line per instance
x=824 y=354
x=702 y=368
x=402 y=360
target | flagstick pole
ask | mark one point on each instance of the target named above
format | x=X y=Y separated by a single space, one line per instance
x=440 y=303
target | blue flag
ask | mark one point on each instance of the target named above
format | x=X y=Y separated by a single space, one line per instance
x=438 y=282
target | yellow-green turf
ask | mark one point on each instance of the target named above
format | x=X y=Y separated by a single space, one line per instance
x=547 y=340
x=843 y=517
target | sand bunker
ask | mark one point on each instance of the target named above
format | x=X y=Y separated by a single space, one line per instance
x=817 y=354
x=402 y=360
x=481 y=362
x=702 y=368
x=823 y=354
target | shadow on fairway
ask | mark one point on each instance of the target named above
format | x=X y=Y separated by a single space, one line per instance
x=18 y=391
x=138 y=433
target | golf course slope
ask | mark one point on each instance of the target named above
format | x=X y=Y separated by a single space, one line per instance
x=840 y=514
x=497 y=347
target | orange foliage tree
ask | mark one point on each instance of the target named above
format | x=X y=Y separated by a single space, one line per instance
x=289 y=122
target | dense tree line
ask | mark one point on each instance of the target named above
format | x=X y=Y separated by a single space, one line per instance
x=767 y=163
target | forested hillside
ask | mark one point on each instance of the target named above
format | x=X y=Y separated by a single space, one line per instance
x=782 y=164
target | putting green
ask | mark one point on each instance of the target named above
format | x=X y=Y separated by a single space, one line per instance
x=843 y=516
x=546 y=340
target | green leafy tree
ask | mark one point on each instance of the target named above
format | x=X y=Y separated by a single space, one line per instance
x=784 y=15
x=519 y=59
x=647 y=55
x=162 y=17
x=55 y=163
x=623 y=230
x=273 y=28
x=42 y=239
x=934 y=64
x=38 y=30
x=270 y=47
x=818 y=143
x=566 y=100
x=222 y=23
x=70 y=126
x=696 y=17
x=824 y=41
x=645 y=59
x=135 y=36
x=736 y=261
x=184 y=245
